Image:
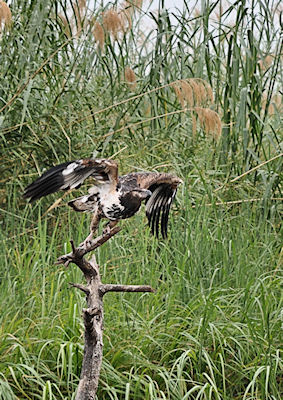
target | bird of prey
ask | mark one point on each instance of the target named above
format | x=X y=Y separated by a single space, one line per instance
x=112 y=196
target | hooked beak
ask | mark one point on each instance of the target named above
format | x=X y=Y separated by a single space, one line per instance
x=148 y=193
x=143 y=194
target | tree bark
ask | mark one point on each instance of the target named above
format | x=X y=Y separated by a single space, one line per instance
x=93 y=314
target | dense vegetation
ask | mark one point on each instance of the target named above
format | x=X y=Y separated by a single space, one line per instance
x=80 y=79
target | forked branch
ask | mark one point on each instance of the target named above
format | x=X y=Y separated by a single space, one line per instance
x=93 y=314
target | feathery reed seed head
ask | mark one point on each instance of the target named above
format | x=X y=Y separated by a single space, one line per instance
x=266 y=62
x=5 y=15
x=98 y=33
x=179 y=94
x=127 y=11
x=81 y=4
x=275 y=106
x=187 y=92
x=130 y=77
x=113 y=22
x=197 y=94
x=193 y=91
x=209 y=121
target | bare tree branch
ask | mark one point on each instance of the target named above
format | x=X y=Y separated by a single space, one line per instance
x=93 y=314
x=125 y=288
x=81 y=287
x=76 y=256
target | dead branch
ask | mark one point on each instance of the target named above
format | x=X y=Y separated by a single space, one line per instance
x=93 y=314
x=125 y=288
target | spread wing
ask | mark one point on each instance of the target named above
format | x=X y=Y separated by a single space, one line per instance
x=71 y=175
x=163 y=188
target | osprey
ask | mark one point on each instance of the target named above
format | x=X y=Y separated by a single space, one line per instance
x=112 y=197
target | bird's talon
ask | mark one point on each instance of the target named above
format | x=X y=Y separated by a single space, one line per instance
x=106 y=231
x=86 y=243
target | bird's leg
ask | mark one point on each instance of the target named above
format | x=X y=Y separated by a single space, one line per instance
x=109 y=226
x=93 y=227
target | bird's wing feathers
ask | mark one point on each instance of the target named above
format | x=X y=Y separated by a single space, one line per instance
x=158 y=207
x=71 y=175
x=147 y=180
x=163 y=188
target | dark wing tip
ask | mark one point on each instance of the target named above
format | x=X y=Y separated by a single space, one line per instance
x=158 y=207
x=49 y=182
x=71 y=175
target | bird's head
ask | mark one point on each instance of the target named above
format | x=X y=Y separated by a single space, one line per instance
x=141 y=194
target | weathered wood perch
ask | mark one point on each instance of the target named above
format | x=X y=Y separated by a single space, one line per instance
x=93 y=314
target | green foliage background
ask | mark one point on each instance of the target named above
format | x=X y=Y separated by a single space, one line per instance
x=212 y=330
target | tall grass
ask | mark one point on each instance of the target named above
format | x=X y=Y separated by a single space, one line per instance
x=211 y=329
x=75 y=83
x=236 y=50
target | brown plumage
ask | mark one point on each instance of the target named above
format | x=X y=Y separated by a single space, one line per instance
x=111 y=197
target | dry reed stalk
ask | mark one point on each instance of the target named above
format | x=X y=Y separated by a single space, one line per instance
x=67 y=27
x=241 y=201
x=5 y=16
x=134 y=124
x=249 y=171
x=79 y=7
x=28 y=230
x=119 y=103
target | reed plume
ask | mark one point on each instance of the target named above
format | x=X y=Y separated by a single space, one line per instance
x=265 y=62
x=5 y=16
x=209 y=121
x=193 y=92
x=275 y=106
x=197 y=95
x=98 y=33
x=113 y=23
x=130 y=77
